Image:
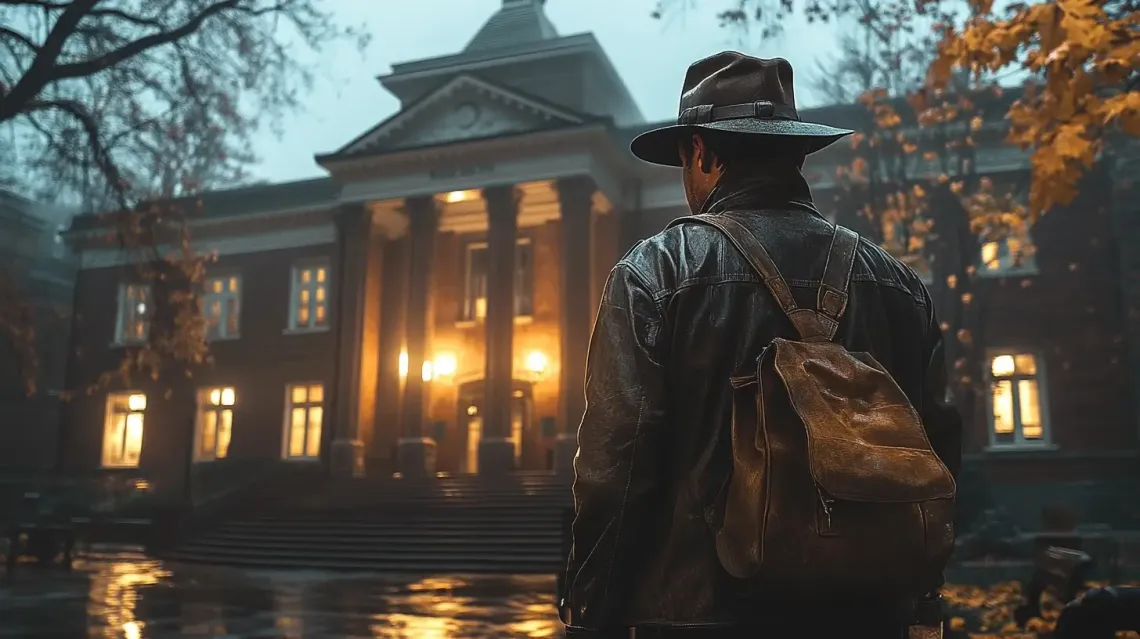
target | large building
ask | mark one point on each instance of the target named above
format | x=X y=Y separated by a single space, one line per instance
x=427 y=306
x=37 y=273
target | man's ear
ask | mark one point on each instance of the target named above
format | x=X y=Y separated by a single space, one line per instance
x=700 y=152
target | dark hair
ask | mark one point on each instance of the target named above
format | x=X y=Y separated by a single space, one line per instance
x=731 y=150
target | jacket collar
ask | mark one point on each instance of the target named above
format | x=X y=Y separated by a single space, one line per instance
x=783 y=188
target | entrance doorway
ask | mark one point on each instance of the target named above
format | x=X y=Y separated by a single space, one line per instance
x=471 y=416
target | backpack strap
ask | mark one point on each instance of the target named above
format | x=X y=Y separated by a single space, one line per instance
x=811 y=325
x=832 y=300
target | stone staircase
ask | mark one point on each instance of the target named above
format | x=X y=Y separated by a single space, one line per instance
x=458 y=524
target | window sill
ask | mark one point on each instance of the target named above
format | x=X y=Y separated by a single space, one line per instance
x=1018 y=449
x=1007 y=272
x=305 y=331
x=301 y=460
x=519 y=320
x=119 y=467
x=127 y=344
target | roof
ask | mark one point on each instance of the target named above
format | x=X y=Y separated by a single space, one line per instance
x=314 y=193
x=517 y=22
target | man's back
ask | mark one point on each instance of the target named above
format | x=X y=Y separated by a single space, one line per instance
x=704 y=317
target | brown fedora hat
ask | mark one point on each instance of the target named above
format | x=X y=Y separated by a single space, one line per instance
x=738 y=95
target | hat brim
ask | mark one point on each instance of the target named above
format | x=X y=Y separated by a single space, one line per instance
x=659 y=146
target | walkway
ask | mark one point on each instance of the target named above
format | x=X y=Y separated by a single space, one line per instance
x=129 y=596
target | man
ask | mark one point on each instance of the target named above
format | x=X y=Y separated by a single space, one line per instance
x=681 y=314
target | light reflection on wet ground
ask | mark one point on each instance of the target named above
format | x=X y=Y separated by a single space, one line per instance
x=129 y=596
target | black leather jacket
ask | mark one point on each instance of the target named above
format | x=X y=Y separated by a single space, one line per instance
x=680 y=314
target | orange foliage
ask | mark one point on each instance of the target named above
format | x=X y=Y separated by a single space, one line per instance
x=1085 y=52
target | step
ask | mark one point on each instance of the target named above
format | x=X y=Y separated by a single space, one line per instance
x=317 y=541
x=422 y=536
x=420 y=557
x=377 y=520
x=394 y=567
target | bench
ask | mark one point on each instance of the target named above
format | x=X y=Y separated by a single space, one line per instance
x=1100 y=614
x=1060 y=572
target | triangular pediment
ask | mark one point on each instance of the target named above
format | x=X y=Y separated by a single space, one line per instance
x=465 y=108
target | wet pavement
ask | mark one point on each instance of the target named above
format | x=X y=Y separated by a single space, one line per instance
x=129 y=596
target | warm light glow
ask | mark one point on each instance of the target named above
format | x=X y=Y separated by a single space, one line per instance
x=536 y=362
x=426 y=372
x=1002 y=365
x=216 y=396
x=403 y=363
x=473 y=410
x=445 y=364
x=227 y=397
x=136 y=402
x=458 y=196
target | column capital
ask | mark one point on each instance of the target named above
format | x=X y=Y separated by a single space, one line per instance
x=422 y=212
x=502 y=198
x=576 y=185
x=353 y=216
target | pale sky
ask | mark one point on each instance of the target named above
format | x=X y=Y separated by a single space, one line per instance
x=650 y=55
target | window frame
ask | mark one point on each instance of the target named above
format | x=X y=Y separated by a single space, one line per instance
x=207 y=297
x=108 y=412
x=292 y=325
x=1005 y=267
x=1045 y=442
x=201 y=407
x=122 y=312
x=467 y=313
x=287 y=422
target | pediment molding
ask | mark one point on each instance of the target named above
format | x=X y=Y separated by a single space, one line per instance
x=464 y=108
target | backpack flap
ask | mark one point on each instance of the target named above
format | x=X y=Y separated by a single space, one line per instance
x=865 y=441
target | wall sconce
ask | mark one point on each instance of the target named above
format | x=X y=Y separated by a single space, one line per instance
x=536 y=364
x=445 y=364
x=460 y=196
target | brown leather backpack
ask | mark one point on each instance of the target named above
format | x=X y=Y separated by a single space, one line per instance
x=834 y=486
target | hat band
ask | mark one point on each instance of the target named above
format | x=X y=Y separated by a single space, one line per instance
x=760 y=110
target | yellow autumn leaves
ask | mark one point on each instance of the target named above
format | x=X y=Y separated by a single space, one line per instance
x=990 y=613
x=1083 y=57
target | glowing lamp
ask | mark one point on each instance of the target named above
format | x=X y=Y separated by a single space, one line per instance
x=403 y=363
x=536 y=362
x=136 y=402
x=426 y=372
x=445 y=364
x=456 y=196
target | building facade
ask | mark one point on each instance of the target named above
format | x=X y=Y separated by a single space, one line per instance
x=37 y=275
x=427 y=306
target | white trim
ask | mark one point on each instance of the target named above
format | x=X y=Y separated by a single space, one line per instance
x=324 y=233
x=468 y=247
x=201 y=408
x=287 y=421
x=406 y=117
x=107 y=414
x=1028 y=265
x=293 y=326
x=223 y=319
x=119 y=338
x=1019 y=443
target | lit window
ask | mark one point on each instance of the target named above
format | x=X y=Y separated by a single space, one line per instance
x=123 y=430
x=475 y=285
x=310 y=303
x=214 y=423
x=304 y=414
x=221 y=306
x=135 y=308
x=1011 y=255
x=1016 y=408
